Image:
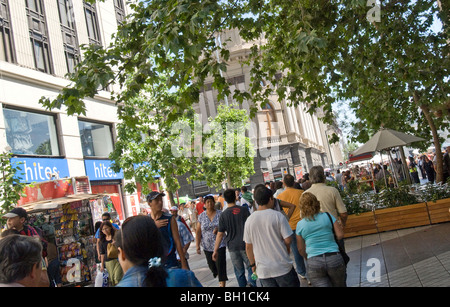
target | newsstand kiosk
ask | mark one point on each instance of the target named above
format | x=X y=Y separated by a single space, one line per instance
x=63 y=211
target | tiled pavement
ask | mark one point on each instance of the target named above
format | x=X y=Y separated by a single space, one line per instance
x=413 y=257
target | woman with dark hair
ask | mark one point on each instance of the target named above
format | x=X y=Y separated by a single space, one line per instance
x=109 y=260
x=142 y=255
x=207 y=229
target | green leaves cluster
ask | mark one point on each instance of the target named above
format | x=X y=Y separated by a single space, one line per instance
x=394 y=73
x=11 y=190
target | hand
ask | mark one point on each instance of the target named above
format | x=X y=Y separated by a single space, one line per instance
x=161 y=223
x=214 y=256
x=198 y=251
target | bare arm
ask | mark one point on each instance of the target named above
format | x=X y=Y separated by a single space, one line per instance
x=250 y=255
x=219 y=238
x=291 y=207
x=198 y=237
x=301 y=246
x=338 y=230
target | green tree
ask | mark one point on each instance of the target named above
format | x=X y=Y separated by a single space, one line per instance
x=228 y=152
x=145 y=147
x=326 y=51
x=11 y=189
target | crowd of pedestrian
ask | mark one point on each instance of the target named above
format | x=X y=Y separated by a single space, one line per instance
x=275 y=235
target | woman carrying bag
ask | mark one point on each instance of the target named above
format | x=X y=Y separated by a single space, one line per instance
x=109 y=253
x=316 y=241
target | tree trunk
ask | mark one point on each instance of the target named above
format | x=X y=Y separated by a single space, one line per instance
x=229 y=180
x=172 y=201
x=437 y=143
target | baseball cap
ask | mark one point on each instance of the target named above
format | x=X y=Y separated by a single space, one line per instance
x=152 y=195
x=174 y=208
x=21 y=212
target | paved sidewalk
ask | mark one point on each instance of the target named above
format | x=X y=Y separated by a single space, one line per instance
x=413 y=257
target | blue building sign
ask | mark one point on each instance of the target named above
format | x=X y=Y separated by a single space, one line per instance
x=40 y=169
x=100 y=170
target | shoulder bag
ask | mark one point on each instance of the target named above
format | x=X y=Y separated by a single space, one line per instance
x=340 y=243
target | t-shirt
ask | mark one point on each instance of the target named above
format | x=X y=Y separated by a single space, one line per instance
x=318 y=235
x=292 y=196
x=232 y=222
x=266 y=230
x=104 y=249
x=199 y=206
x=329 y=197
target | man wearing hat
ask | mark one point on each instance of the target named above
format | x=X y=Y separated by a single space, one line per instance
x=169 y=230
x=16 y=220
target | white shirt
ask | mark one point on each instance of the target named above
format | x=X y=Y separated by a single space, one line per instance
x=266 y=231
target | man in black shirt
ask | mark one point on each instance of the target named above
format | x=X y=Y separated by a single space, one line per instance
x=231 y=225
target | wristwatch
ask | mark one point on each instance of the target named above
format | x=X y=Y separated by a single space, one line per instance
x=252 y=265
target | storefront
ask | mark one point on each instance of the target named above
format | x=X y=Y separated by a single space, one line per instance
x=104 y=181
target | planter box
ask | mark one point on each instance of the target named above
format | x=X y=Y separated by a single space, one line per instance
x=360 y=224
x=439 y=210
x=402 y=217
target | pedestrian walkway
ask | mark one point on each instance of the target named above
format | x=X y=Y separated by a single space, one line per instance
x=413 y=257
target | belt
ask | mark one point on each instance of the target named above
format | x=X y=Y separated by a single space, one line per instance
x=327 y=254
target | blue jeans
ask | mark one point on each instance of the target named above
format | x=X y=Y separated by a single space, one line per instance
x=327 y=270
x=240 y=260
x=288 y=280
x=299 y=262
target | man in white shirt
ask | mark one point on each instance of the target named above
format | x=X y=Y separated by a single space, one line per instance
x=267 y=235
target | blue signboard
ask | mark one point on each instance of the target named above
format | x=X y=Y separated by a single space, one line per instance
x=40 y=169
x=100 y=170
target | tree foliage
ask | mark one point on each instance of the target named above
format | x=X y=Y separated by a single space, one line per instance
x=393 y=71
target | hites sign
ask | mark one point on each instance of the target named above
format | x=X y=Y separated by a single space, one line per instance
x=100 y=170
x=40 y=169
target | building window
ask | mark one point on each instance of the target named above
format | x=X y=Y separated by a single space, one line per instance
x=96 y=139
x=29 y=133
x=93 y=28
x=39 y=35
x=119 y=8
x=6 y=42
x=69 y=34
x=270 y=118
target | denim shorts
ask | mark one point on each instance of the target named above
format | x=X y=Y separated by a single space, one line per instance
x=327 y=270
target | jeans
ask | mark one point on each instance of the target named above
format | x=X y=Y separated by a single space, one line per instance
x=299 y=262
x=288 y=280
x=240 y=260
x=327 y=270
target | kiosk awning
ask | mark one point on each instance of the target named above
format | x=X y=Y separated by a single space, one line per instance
x=57 y=202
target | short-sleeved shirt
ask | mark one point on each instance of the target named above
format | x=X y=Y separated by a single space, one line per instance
x=207 y=226
x=292 y=195
x=318 y=234
x=232 y=222
x=199 y=207
x=266 y=231
x=329 y=197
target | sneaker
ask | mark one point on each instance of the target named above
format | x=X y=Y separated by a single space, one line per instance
x=302 y=276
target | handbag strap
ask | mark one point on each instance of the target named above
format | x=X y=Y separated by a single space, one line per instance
x=332 y=226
